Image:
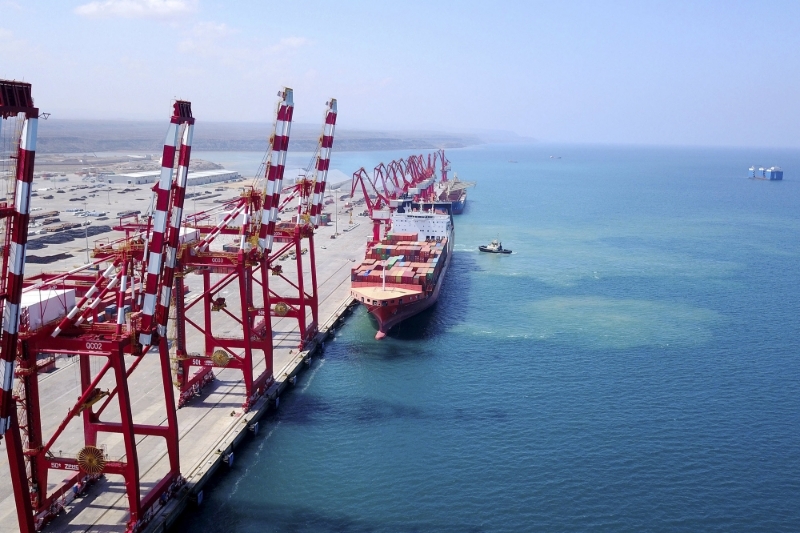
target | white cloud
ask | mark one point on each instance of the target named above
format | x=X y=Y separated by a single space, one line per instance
x=226 y=45
x=19 y=55
x=288 y=43
x=9 y=43
x=216 y=29
x=204 y=37
x=136 y=8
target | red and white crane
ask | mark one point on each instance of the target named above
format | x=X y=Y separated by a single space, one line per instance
x=377 y=208
x=168 y=211
x=107 y=351
x=16 y=102
x=253 y=264
x=117 y=310
x=252 y=218
x=323 y=161
x=266 y=291
x=15 y=99
x=279 y=143
x=309 y=192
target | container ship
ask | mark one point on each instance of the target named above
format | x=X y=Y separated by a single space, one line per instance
x=402 y=274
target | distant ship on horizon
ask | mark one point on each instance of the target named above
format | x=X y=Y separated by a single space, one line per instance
x=761 y=173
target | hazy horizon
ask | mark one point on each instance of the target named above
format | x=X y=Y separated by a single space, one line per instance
x=306 y=130
x=663 y=73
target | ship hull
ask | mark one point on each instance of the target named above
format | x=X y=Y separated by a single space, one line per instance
x=458 y=207
x=459 y=201
x=388 y=316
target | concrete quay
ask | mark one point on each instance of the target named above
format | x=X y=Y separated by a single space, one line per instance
x=211 y=425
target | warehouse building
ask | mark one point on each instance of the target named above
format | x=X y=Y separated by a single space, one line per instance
x=202 y=177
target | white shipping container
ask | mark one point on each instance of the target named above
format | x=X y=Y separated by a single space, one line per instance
x=42 y=307
x=189 y=235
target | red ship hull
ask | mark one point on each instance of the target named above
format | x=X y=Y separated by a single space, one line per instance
x=402 y=274
x=390 y=315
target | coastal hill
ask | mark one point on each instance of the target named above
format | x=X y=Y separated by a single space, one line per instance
x=86 y=136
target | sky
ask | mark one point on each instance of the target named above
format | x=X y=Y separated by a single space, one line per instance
x=697 y=73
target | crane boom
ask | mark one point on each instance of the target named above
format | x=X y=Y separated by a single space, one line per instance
x=323 y=161
x=310 y=192
x=279 y=144
x=164 y=198
x=15 y=98
x=376 y=212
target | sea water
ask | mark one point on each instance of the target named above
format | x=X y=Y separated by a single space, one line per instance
x=632 y=366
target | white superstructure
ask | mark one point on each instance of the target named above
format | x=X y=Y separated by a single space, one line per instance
x=428 y=224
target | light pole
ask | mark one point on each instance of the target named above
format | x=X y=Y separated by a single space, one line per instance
x=336 y=209
x=109 y=195
x=86 y=232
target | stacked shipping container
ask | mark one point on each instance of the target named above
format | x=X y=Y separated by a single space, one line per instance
x=419 y=262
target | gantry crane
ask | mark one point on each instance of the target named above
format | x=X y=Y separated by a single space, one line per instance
x=16 y=103
x=136 y=279
x=252 y=218
x=413 y=177
x=262 y=240
x=377 y=208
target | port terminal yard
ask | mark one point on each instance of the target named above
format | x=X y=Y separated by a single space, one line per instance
x=211 y=425
x=86 y=333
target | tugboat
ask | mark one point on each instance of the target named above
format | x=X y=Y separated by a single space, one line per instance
x=494 y=247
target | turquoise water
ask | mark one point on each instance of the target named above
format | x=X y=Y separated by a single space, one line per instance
x=633 y=366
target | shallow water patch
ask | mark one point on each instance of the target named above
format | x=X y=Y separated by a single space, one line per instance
x=619 y=323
